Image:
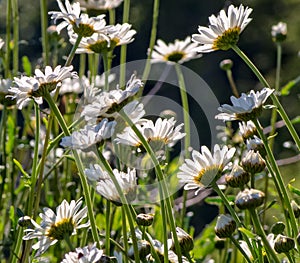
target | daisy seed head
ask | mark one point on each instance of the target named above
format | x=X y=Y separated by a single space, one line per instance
x=249 y=199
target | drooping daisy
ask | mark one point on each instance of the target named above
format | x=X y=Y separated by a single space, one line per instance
x=106 y=187
x=163 y=132
x=26 y=90
x=89 y=254
x=106 y=104
x=55 y=226
x=247 y=107
x=178 y=52
x=223 y=30
x=53 y=77
x=81 y=24
x=89 y=135
x=99 y=4
x=204 y=167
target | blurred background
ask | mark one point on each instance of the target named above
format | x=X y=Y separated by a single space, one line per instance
x=178 y=19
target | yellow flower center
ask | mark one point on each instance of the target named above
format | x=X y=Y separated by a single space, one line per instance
x=229 y=38
x=64 y=227
x=84 y=30
x=208 y=174
x=174 y=56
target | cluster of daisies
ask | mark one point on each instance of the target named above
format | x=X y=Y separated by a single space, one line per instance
x=104 y=114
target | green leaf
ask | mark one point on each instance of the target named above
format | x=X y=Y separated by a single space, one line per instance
x=296 y=120
x=247 y=232
x=294 y=189
x=216 y=200
x=26 y=65
x=286 y=89
x=10 y=143
x=16 y=162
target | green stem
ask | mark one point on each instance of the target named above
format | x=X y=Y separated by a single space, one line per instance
x=15 y=257
x=165 y=192
x=290 y=258
x=152 y=42
x=73 y=50
x=273 y=96
x=107 y=228
x=237 y=245
x=186 y=120
x=44 y=25
x=123 y=54
x=124 y=230
x=232 y=83
x=269 y=250
x=83 y=180
x=277 y=85
x=7 y=39
x=15 y=9
x=69 y=243
x=278 y=177
x=82 y=62
x=106 y=70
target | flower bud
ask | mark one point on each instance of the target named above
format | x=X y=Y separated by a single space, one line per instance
x=296 y=208
x=24 y=221
x=249 y=199
x=107 y=259
x=278 y=228
x=247 y=129
x=144 y=219
x=256 y=144
x=238 y=177
x=225 y=226
x=226 y=64
x=186 y=242
x=283 y=244
x=279 y=32
x=253 y=162
x=143 y=247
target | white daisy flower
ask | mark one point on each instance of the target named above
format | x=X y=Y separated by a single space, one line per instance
x=105 y=186
x=279 y=32
x=51 y=78
x=99 y=4
x=5 y=84
x=204 y=167
x=255 y=144
x=163 y=132
x=55 y=226
x=178 y=52
x=80 y=24
x=89 y=135
x=89 y=254
x=27 y=89
x=106 y=104
x=245 y=108
x=223 y=30
x=247 y=129
x=121 y=34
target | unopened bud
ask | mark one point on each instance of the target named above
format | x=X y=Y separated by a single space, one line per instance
x=279 y=32
x=249 y=199
x=144 y=219
x=278 y=228
x=253 y=162
x=238 y=177
x=283 y=244
x=220 y=243
x=296 y=209
x=186 y=242
x=226 y=64
x=24 y=221
x=225 y=226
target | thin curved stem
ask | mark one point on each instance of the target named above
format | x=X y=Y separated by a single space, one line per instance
x=237 y=245
x=83 y=180
x=73 y=50
x=273 y=96
x=261 y=233
x=232 y=83
x=107 y=228
x=165 y=193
